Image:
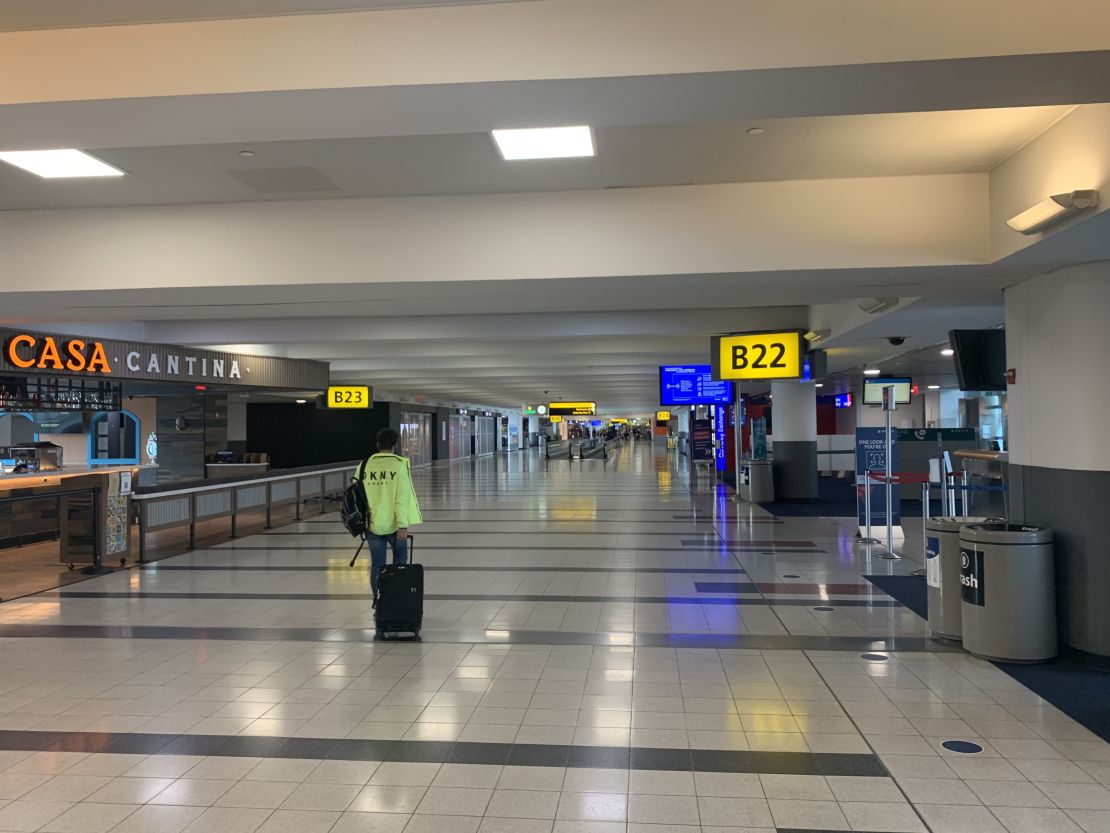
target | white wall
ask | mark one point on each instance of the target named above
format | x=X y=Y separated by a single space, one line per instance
x=906 y=416
x=941 y=408
x=75 y=448
x=509 y=41
x=1055 y=333
x=794 y=411
x=737 y=227
x=1073 y=154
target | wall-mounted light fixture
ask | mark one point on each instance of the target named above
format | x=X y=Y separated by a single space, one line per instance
x=1052 y=210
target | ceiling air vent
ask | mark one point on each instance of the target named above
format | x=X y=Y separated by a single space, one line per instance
x=284 y=180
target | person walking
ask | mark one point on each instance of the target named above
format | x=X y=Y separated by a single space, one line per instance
x=393 y=505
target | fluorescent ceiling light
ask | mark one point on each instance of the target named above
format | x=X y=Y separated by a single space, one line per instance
x=871 y=371
x=819 y=385
x=545 y=142
x=59 y=164
x=934 y=387
x=1052 y=210
x=948 y=351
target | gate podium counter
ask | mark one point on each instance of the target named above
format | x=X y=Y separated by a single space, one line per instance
x=87 y=509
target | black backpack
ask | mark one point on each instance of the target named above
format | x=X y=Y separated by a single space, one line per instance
x=354 y=510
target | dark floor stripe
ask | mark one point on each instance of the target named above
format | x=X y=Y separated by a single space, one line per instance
x=708 y=540
x=439 y=568
x=728 y=601
x=484 y=637
x=429 y=518
x=459 y=752
x=601 y=549
x=801 y=588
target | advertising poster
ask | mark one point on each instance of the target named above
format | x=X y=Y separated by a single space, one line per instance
x=871 y=457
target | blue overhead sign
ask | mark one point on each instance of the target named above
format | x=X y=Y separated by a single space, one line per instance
x=692 y=385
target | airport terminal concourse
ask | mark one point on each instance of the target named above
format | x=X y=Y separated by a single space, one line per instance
x=554 y=416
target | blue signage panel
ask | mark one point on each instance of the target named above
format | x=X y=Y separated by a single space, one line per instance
x=720 y=424
x=871 y=457
x=692 y=385
x=701 y=439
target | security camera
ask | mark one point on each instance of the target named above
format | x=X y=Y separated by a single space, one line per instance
x=896 y=340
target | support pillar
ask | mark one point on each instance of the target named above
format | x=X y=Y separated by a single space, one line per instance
x=794 y=431
x=1059 y=452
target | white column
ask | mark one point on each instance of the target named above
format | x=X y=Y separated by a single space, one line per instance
x=1058 y=437
x=794 y=432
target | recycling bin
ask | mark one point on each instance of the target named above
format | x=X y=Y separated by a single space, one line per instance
x=1008 y=592
x=757 y=481
x=942 y=574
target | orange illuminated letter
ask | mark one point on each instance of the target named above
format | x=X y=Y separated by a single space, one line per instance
x=98 y=362
x=13 y=353
x=49 y=356
x=76 y=351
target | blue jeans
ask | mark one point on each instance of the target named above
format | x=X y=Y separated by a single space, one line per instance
x=376 y=544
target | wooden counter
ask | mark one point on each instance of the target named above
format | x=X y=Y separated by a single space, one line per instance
x=42 y=505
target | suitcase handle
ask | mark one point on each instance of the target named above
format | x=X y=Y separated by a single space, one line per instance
x=410 y=538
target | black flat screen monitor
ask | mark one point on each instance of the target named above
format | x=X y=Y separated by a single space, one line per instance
x=873 y=389
x=980 y=357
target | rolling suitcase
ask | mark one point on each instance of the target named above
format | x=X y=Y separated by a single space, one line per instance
x=400 y=601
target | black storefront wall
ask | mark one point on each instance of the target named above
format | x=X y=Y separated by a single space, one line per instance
x=180 y=438
x=303 y=435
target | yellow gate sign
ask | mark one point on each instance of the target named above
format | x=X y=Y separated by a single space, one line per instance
x=759 y=356
x=350 y=396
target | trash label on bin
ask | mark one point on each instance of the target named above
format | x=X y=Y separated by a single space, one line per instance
x=932 y=562
x=972 y=578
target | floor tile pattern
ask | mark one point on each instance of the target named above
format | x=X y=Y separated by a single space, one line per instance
x=606 y=651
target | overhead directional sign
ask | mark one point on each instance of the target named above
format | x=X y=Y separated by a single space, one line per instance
x=572 y=408
x=777 y=355
x=350 y=396
x=692 y=385
x=662 y=416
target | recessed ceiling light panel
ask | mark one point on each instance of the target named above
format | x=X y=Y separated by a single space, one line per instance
x=545 y=142
x=948 y=351
x=872 y=371
x=65 y=163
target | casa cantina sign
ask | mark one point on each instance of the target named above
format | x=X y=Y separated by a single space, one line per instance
x=58 y=355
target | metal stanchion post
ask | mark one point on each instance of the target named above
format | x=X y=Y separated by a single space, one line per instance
x=966 y=502
x=867 y=508
x=924 y=515
x=890 y=553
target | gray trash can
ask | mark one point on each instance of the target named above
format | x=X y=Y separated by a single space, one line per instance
x=942 y=574
x=757 y=481
x=1008 y=592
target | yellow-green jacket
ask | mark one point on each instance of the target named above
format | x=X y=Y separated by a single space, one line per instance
x=389 y=494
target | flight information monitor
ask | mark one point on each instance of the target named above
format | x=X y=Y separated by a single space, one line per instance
x=692 y=384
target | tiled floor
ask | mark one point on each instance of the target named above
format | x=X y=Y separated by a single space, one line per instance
x=604 y=652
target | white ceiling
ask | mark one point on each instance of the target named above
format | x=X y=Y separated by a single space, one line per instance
x=17 y=15
x=858 y=88
x=883 y=144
